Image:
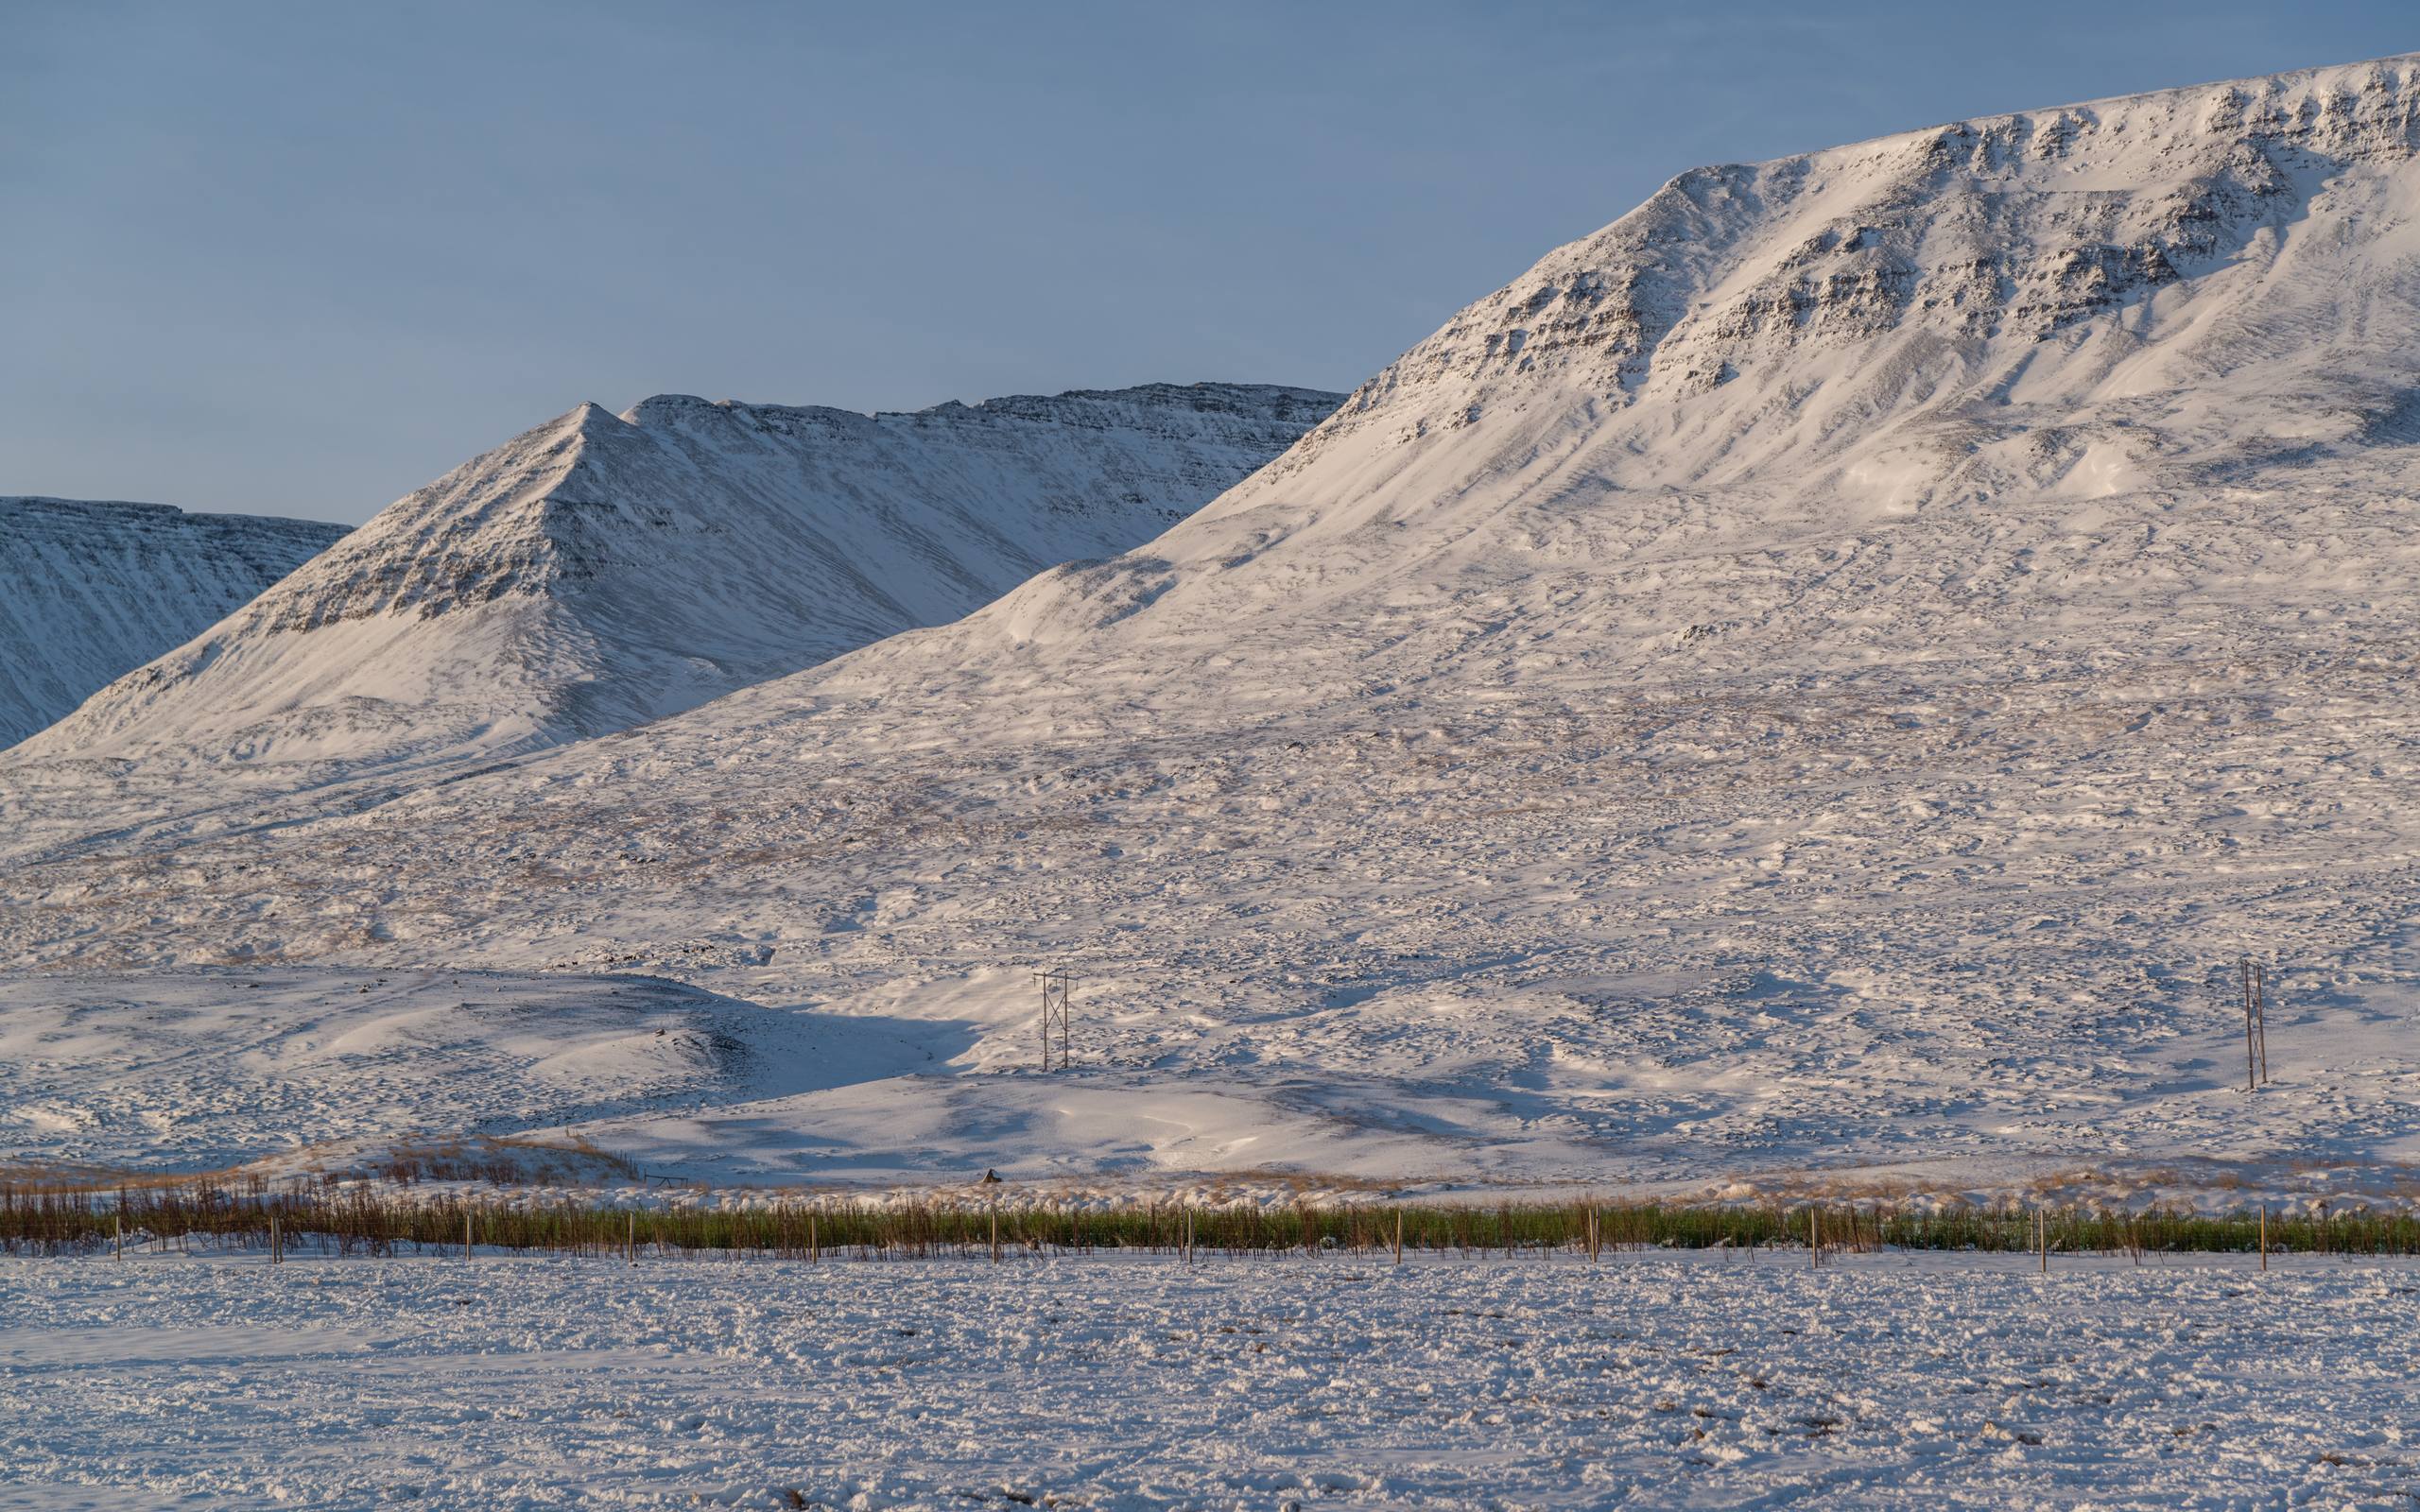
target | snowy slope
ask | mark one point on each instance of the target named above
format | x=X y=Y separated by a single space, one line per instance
x=599 y=571
x=90 y=591
x=1826 y=675
x=204 y=1070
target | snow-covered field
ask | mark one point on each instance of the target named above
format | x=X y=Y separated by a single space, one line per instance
x=1814 y=688
x=1707 y=1380
x=282 y=1069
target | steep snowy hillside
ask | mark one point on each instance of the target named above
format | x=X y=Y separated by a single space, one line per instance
x=90 y=591
x=599 y=571
x=1831 y=671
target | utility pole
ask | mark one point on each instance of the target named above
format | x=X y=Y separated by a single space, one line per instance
x=2251 y=1063
x=1055 y=1028
x=2260 y=1015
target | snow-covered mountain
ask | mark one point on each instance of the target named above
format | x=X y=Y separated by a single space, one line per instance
x=604 y=569
x=1833 y=669
x=90 y=590
x=2192 y=290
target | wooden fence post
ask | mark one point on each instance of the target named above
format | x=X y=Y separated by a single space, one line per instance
x=1398 y=1236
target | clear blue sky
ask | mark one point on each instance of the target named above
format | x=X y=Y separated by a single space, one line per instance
x=300 y=259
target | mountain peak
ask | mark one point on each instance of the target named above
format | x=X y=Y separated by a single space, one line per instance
x=656 y=409
x=591 y=418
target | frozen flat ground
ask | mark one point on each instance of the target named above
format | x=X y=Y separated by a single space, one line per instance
x=1704 y=1380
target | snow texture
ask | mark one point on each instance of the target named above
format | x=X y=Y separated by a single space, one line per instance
x=1819 y=681
x=90 y=590
x=1712 y=1380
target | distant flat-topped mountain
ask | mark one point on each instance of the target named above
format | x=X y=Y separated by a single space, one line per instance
x=90 y=590
x=604 y=569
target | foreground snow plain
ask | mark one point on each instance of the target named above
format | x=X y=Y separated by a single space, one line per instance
x=281 y=1071
x=1697 y=1381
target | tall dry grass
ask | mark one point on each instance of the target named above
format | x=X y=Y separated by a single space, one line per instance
x=51 y=1217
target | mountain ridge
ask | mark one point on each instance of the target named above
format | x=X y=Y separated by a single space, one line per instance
x=1907 y=347
x=600 y=570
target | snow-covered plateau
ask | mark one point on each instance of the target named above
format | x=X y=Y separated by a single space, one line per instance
x=1649 y=1381
x=1819 y=684
x=90 y=590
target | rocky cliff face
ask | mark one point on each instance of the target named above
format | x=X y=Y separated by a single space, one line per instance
x=91 y=590
x=602 y=570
